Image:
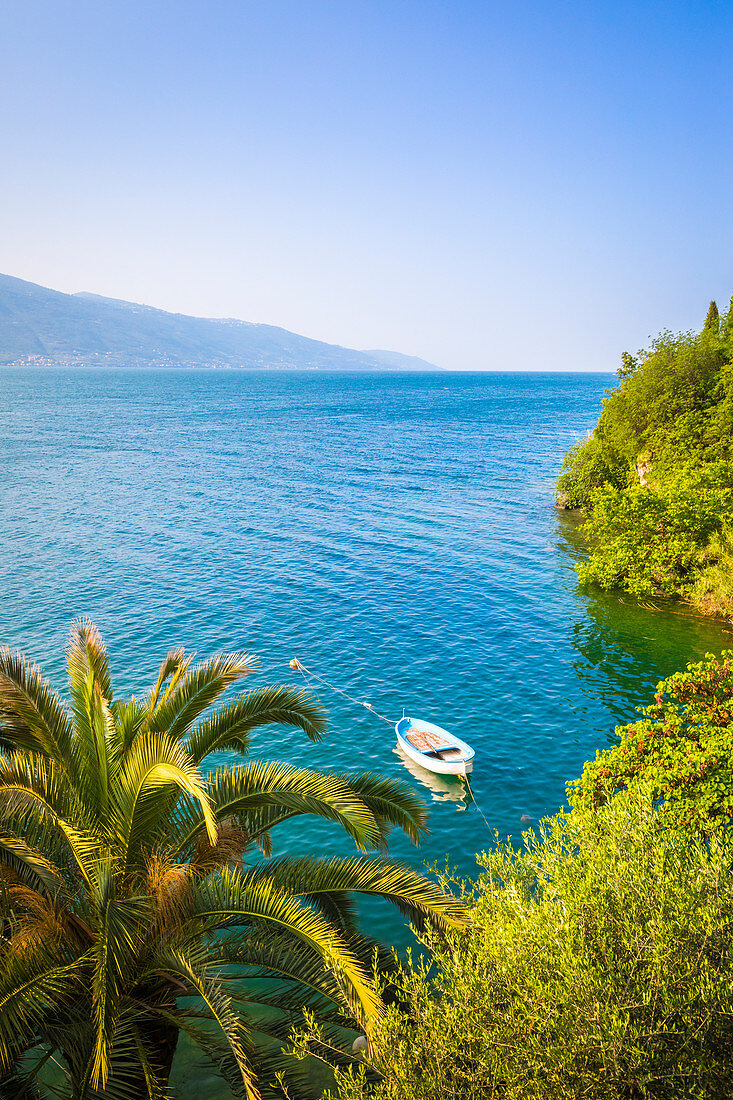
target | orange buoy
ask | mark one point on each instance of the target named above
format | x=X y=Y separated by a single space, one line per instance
x=294 y=663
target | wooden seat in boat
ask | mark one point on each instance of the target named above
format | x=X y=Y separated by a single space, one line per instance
x=426 y=742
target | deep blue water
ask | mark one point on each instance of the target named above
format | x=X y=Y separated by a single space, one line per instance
x=396 y=532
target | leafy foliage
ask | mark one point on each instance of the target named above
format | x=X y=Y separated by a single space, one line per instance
x=597 y=964
x=680 y=753
x=656 y=475
x=133 y=902
x=586 y=467
x=655 y=541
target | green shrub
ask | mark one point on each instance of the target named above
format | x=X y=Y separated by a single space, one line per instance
x=653 y=541
x=664 y=405
x=680 y=753
x=585 y=468
x=598 y=966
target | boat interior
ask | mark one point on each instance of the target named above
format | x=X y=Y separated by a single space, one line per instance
x=431 y=744
x=451 y=753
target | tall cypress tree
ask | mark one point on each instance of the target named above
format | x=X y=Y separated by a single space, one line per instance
x=712 y=321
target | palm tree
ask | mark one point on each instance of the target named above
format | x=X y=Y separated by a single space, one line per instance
x=134 y=900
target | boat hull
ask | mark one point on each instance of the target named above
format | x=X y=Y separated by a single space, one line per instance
x=457 y=758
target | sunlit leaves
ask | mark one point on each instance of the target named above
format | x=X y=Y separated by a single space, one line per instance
x=597 y=965
x=126 y=905
x=680 y=752
x=655 y=477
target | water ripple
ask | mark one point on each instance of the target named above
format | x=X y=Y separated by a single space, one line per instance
x=397 y=531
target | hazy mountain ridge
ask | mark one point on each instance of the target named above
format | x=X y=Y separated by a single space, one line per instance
x=43 y=326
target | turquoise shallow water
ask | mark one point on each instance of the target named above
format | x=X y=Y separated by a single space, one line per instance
x=397 y=532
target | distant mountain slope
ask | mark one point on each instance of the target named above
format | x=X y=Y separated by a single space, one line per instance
x=395 y=360
x=46 y=326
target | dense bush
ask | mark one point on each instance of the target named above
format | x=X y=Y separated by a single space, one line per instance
x=656 y=477
x=598 y=965
x=680 y=753
x=656 y=541
x=586 y=467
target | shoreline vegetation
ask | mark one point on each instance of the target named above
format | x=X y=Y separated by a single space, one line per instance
x=598 y=958
x=653 y=482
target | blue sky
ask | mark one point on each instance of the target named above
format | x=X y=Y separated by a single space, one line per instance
x=525 y=185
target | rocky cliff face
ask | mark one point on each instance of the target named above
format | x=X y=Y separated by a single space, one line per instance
x=643 y=469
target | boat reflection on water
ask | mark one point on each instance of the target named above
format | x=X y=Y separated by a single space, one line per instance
x=443 y=788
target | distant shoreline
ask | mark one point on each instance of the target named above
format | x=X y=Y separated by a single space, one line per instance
x=355 y=371
x=40 y=326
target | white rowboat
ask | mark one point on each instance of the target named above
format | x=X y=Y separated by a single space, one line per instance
x=433 y=748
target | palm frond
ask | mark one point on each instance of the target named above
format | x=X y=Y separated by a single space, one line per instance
x=104 y=747
x=33 y=985
x=32 y=920
x=230 y=726
x=275 y=953
x=154 y=762
x=339 y=908
x=392 y=802
x=174 y=665
x=32 y=716
x=31 y=785
x=281 y=1074
x=86 y=652
x=411 y=892
x=198 y=689
x=132 y=1073
x=97 y=745
x=155 y=1085
x=217 y=1052
x=120 y=935
x=129 y=717
x=372 y=954
x=196 y=976
x=240 y=790
x=28 y=865
x=234 y=899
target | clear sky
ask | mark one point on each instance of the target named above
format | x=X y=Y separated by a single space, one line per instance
x=524 y=184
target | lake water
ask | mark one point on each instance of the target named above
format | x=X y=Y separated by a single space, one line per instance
x=395 y=532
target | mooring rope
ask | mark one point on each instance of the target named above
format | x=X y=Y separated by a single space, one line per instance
x=473 y=796
x=296 y=664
